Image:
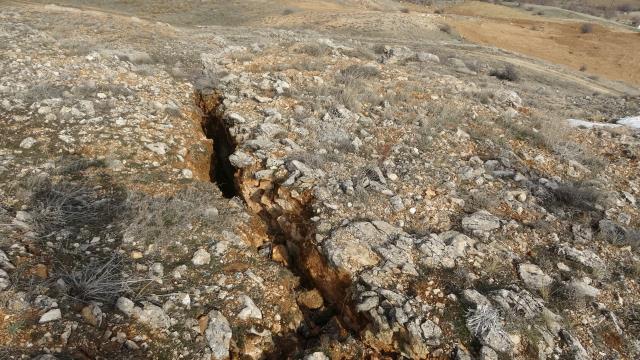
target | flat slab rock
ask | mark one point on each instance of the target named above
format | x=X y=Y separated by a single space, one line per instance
x=533 y=276
x=481 y=221
x=352 y=247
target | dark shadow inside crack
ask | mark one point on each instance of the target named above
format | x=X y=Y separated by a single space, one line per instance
x=221 y=171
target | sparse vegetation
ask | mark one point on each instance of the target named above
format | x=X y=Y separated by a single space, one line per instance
x=360 y=53
x=577 y=196
x=446 y=28
x=161 y=218
x=482 y=319
x=314 y=49
x=357 y=72
x=508 y=73
x=306 y=164
x=586 y=28
x=72 y=205
x=97 y=280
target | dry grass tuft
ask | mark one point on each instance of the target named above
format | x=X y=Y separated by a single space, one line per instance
x=576 y=196
x=97 y=280
x=72 y=206
x=314 y=49
x=483 y=319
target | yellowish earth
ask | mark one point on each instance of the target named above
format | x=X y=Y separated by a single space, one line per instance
x=608 y=51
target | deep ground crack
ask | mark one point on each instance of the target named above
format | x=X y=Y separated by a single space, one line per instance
x=221 y=172
x=290 y=227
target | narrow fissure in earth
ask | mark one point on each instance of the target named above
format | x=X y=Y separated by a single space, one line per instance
x=221 y=172
x=288 y=226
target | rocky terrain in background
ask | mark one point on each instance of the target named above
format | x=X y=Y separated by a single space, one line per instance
x=273 y=192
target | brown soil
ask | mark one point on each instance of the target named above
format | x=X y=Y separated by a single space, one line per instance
x=608 y=52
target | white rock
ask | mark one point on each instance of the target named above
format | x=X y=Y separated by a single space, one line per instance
x=427 y=57
x=480 y=221
x=589 y=124
x=187 y=174
x=125 y=305
x=218 y=335
x=316 y=356
x=583 y=289
x=211 y=213
x=152 y=316
x=158 y=148
x=533 y=276
x=4 y=283
x=631 y=121
x=86 y=106
x=50 y=315
x=201 y=257
x=4 y=261
x=44 y=110
x=27 y=143
x=240 y=159
x=251 y=311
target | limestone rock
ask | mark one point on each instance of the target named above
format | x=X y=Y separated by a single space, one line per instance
x=480 y=221
x=218 y=335
x=201 y=257
x=28 y=143
x=152 y=316
x=316 y=356
x=158 y=148
x=125 y=305
x=250 y=311
x=427 y=57
x=50 y=315
x=533 y=276
x=240 y=159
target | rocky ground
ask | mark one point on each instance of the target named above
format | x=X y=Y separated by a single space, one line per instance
x=254 y=193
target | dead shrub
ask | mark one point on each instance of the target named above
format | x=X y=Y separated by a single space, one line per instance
x=160 y=219
x=508 y=73
x=73 y=206
x=360 y=53
x=315 y=49
x=446 y=28
x=576 y=196
x=42 y=91
x=586 y=28
x=625 y=8
x=349 y=97
x=357 y=72
x=97 y=280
